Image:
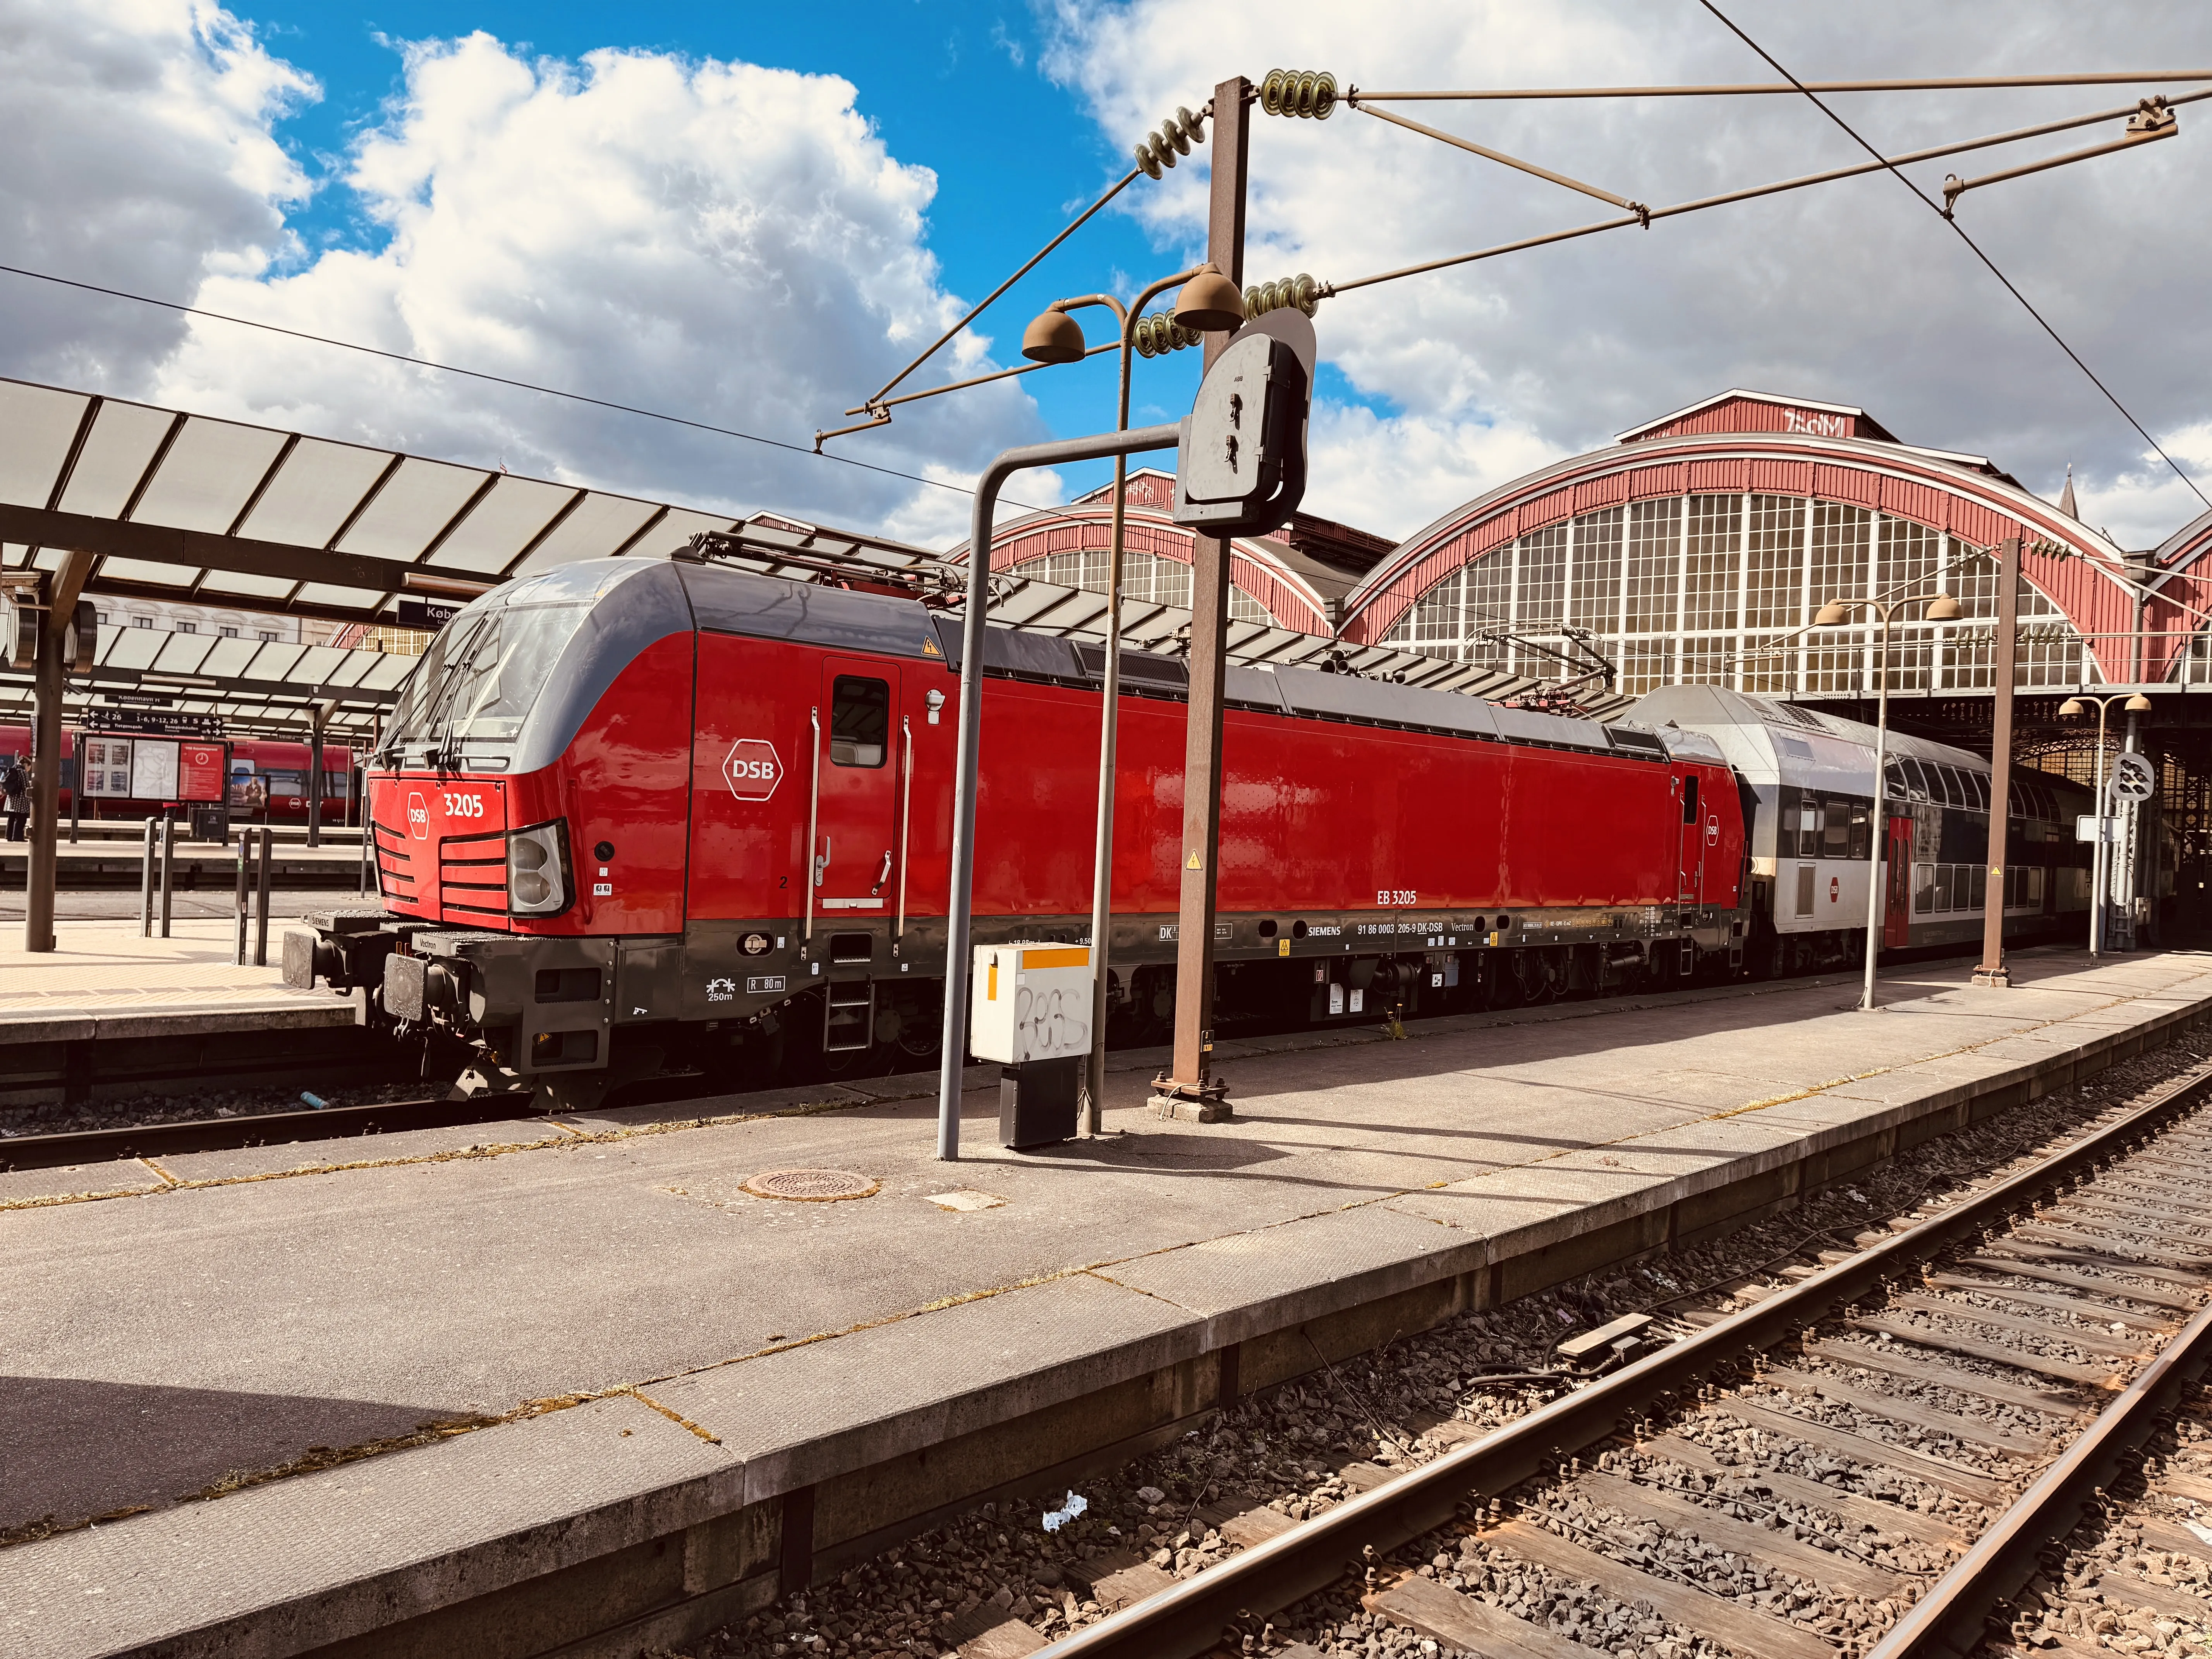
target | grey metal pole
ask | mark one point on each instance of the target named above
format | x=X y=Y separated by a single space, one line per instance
x=1102 y=857
x=1874 y=890
x=2098 y=805
x=261 y=902
x=2124 y=859
x=146 y=884
x=315 y=782
x=168 y=866
x=76 y=784
x=959 y=923
x=1992 y=972
x=245 y=860
x=40 y=871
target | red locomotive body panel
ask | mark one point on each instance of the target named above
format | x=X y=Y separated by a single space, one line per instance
x=1317 y=815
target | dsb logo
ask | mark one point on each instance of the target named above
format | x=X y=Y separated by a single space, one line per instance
x=418 y=817
x=752 y=769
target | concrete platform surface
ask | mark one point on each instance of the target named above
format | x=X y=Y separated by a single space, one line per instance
x=103 y=973
x=626 y=1337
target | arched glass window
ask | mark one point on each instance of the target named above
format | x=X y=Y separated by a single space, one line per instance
x=1721 y=590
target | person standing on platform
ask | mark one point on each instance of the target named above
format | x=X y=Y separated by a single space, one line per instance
x=14 y=794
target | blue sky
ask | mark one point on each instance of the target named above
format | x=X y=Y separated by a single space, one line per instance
x=957 y=88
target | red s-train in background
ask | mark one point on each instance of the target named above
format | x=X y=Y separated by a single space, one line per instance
x=264 y=776
x=642 y=813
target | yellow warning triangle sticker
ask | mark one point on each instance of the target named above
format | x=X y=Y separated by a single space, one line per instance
x=929 y=648
x=1193 y=864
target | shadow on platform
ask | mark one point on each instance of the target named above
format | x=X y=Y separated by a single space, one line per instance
x=76 y=1450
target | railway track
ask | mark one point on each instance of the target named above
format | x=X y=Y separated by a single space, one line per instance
x=67 y=1148
x=1884 y=1458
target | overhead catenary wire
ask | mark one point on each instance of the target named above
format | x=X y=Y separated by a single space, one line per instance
x=988 y=300
x=1933 y=207
x=496 y=379
x=1880 y=163
x=1753 y=88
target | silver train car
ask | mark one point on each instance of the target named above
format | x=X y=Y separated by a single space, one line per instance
x=1808 y=782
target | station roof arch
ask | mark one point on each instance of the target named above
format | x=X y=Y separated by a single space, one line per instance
x=1834 y=463
x=1297 y=579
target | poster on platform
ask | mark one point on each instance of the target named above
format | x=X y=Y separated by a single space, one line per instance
x=152 y=769
x=199 y=771
x=105 y=765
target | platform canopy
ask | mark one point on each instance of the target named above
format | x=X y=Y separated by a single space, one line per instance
x=189 y=507
x=270 y=687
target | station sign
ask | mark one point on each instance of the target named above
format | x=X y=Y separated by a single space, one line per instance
x=430 y=615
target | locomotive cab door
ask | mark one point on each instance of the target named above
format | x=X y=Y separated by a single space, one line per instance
x=1897 y=913
x=857 y=755
x=1691 y=880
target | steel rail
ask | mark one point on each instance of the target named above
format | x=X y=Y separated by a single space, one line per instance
x=1191 y=1617
x=1753 y=88
x=69 y=1147
x=1950 y=1619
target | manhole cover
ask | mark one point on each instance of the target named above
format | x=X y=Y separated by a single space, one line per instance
x=812 y=1186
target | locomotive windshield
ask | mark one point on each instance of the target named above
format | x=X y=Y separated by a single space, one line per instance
x=481 y=674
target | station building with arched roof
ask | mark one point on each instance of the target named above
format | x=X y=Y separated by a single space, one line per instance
x=1698 y=547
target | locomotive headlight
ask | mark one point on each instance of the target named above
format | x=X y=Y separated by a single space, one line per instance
x=537 y=870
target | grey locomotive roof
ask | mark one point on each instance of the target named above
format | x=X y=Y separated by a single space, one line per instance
x=635 y=601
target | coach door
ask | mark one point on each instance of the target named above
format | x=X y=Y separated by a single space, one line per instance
x=858 y=755
x=1897 y=914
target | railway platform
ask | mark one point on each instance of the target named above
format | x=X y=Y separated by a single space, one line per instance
x=575 y=1384
x=110 y=1010
x=195 y=865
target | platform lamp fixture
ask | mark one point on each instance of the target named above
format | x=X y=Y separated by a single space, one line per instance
x=1054 y=337
x=2072 y=708
x=1837 y=613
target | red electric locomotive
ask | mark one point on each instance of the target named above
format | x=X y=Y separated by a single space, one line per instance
x=639 y=813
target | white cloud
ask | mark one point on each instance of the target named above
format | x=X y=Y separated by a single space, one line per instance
x=1403 y=471
x=140 y=156
x=939 y=517
x=724 y=242
x=2142 y=505
x=1851 y=293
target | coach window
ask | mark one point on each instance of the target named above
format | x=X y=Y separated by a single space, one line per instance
x=1861 y=833
x=860 y=720
x=1836 y=828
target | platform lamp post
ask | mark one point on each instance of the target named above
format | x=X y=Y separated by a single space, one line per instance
x=1056 y=337
x=2072 y=708
x=1837 y=613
